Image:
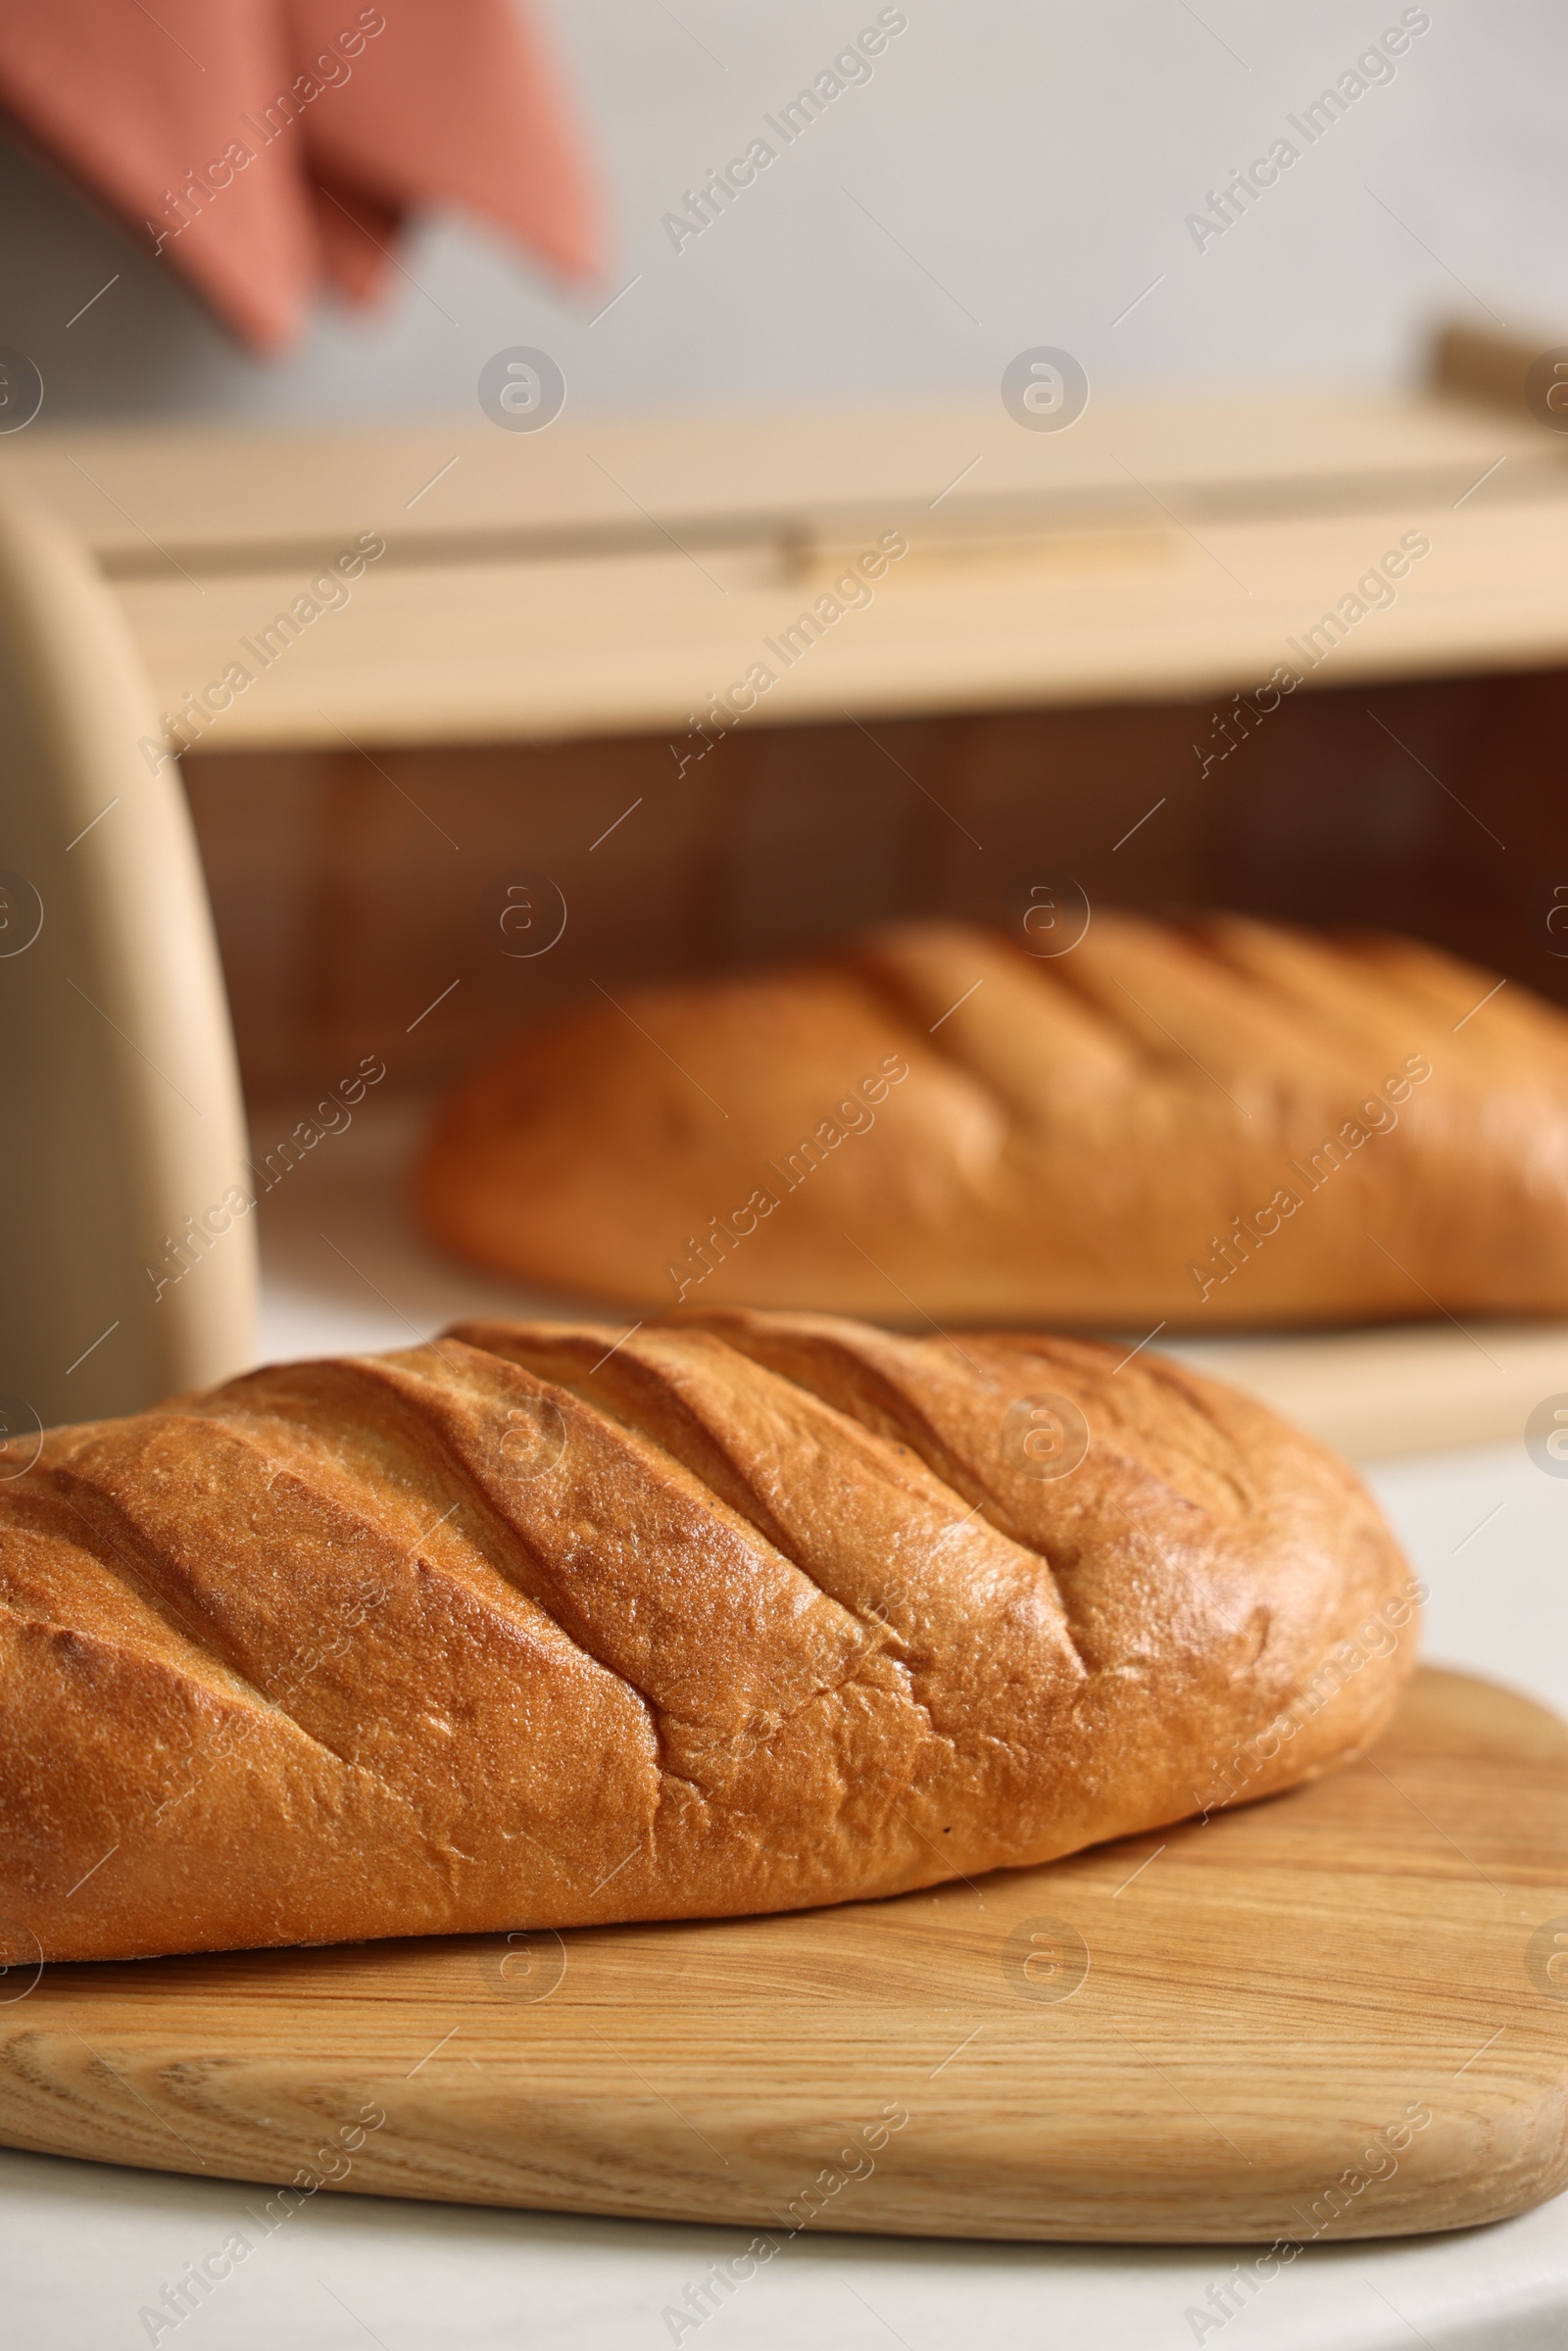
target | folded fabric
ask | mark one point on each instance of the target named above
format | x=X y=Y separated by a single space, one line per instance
x=270 y=144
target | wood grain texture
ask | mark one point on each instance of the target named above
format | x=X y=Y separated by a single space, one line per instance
x=480 y=651
x=220 y=495
x=1271 y=2002
x=1162 y=546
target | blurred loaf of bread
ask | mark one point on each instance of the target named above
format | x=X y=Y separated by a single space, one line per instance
x=1217 y=1124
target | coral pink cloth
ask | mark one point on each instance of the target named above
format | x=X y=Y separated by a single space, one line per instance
x=261 y=145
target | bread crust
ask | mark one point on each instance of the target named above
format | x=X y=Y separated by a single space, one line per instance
x=541 y=1625
x=1223 y=1125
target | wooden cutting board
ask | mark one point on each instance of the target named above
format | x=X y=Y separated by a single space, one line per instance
x=1341 y=2012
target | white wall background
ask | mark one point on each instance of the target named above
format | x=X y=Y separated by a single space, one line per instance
x=1028 y=164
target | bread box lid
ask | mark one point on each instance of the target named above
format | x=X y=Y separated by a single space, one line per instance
x=612 y=575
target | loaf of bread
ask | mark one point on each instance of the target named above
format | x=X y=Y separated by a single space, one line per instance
x=1221 y=1125
x=544 y=1624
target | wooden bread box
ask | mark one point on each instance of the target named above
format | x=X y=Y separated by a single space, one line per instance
x=727 y=686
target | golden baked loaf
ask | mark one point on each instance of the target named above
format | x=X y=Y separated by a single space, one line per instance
x=1224 y=1124
x=539 y=1624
